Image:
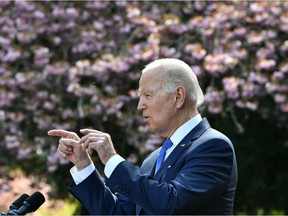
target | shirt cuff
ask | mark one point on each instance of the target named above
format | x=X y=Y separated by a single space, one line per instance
x=79 y=176
x=111 y=164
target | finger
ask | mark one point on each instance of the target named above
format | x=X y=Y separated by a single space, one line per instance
x=61 y=153
x=87 y=139
x=90 y=151
x=90 y=136
x=87 y=131
x=63 y=133
x=67 y=150
x=58 y=133
x=93 y=145
x=86 y=147
x=67 y=146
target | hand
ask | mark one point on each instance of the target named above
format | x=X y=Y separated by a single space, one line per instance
x=70 y=148
x=100 y=142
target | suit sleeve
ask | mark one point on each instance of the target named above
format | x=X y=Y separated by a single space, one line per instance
x=191 y=183
x=98 y=199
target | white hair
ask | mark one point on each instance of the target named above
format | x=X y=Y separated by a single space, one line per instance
x=177 y=73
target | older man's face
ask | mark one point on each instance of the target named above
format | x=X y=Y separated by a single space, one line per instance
x=158 y=107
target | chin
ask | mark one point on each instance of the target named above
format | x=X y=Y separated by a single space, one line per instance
x=150 y=129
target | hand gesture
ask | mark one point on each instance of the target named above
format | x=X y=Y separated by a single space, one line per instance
x=98 y=141
x=70 y=148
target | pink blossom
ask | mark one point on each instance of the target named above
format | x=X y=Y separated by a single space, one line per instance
x=231 y=85
x=255 y=38
x=240 y=104
x=284 y=46
x=213 y=96
x=251 y=105
x=133 y=12
x=278 y=75
x=2 y=116
x=215 y=108
x=149 y=54
x=197 y=70
x=5 y=42
x=39 y=14
x=73 y=87
x=248 y=91
x=11 y=55
x=284 y=67
x=96 y=5
x=99 y=26
x=41 y=56
x=71 y=13
x=257 y=77
x=4 y=3
x=196 y=50
x=265 y=64
x=26 y=37
x=280 y=98
x=240 y=31
x=24 y=153
x=12 y=141
x=168 y=52
x=257 y=7
x=219 y=63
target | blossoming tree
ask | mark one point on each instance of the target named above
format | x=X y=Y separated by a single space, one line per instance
x=70 y=64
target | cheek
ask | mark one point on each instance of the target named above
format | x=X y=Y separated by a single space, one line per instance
x=161 y=107
x=163 y=112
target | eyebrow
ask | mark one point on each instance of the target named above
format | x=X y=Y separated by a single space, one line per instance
x=145 y=91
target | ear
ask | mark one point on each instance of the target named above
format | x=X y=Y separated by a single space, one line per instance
x=180 y=96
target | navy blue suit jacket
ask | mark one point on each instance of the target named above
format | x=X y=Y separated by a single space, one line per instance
x=198 y=177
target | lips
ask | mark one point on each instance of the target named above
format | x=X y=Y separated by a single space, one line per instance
x=146 y=118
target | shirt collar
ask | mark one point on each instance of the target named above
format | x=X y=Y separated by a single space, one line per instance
x=184 y=129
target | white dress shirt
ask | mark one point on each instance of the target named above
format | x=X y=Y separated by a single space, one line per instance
x=112 y=163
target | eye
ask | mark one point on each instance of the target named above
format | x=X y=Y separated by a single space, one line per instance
x=148 y=95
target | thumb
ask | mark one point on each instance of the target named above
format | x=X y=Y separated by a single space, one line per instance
x=69 y=142
x=87 y=131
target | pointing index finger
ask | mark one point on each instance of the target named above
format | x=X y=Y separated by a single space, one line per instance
x=63 y=133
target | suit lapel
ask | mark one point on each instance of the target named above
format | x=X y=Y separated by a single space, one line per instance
x=148 y=166
x=187 y=141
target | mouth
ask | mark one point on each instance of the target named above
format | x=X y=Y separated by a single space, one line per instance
x=146 y=118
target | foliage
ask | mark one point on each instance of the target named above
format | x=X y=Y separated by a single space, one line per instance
x=76 y=64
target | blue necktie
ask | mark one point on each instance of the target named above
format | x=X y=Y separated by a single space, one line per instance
x=167 y=144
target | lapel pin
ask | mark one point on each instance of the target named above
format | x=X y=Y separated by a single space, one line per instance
x=182 y=145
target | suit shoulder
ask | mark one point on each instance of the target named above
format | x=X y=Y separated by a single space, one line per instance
x=212 y=133
x=212 y=138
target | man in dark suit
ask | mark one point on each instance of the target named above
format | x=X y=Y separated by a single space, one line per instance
x=196 y=173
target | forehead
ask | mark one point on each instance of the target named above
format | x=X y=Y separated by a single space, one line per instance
x=150 y=82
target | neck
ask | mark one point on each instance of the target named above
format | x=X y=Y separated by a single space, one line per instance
x=181 y=119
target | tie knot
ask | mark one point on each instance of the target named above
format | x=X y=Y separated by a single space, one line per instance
x=167 y=144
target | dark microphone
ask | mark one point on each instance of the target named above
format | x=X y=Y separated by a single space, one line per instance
x=29 y=205
x=18 y=203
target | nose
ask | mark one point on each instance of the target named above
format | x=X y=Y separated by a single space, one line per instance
x=141 y=105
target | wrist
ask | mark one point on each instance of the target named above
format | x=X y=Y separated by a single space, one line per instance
x=111 y=164
x=108 y=157
x=82 y=164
